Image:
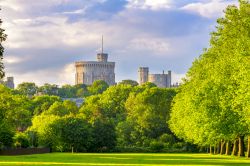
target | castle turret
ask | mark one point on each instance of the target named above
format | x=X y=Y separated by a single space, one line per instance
x=10 y=82
x=143 y=75
x=102 y=57
x=169 y=78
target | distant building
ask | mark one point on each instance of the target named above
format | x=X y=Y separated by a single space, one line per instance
x=9 y=82
x=89 y=71
x=161 y=80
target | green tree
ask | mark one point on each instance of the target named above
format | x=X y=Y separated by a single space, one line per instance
x=6 y=134
x=206 y=111
x=49 y=89
x=147 y=112
x=21 y=140
x=3 y=37
x=67 y=91
x=129 y=82
x=27 y=88
x=98 y=87
x=104 y=135
x=57 y=109
x=74 y=132
x=42 y=103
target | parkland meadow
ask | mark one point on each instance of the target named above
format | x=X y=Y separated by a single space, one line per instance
x=123 y=159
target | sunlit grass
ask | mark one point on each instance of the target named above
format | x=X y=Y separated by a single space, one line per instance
x=123 y=159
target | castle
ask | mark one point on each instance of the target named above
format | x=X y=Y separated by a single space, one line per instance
x=89 y=71
x=161 y=80
x=9 y=82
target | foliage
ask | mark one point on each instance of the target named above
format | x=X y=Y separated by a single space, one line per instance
x=98 y=87
x=3 y=37
x=212 y=105
x=48 y=89
x=27 y=88
x=6 y=134
x=129 y=82
x=21 y=140
x=148 y=112
x=42 y=103
x=156 y=146
x=104 y=136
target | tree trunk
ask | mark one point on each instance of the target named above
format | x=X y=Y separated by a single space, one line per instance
x=72 y=149
x=215 y=149
x=222 y=147
x=248 y=147
x=235 y=147
x=211 y=149
x=228 y=146
x=241 y=146
x=218 y=148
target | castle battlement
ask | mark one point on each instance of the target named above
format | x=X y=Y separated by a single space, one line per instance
x=161 y=80
x=89 y=71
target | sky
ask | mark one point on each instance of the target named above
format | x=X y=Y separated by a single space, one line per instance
x=46 y=37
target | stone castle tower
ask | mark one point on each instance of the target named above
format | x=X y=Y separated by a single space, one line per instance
x=161 y=80
x=89 y=71
x=9 y=82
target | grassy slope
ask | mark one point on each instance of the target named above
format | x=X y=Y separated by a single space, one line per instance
x=123 y=159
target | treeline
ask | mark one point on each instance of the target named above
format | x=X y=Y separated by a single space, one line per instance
x=124 y=117
x=66 y=91
x=211 y=108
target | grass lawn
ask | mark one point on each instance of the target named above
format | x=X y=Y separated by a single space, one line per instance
x=123 y=159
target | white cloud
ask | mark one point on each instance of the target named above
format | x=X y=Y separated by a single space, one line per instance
x=150 y=4
x=211 y=9
x=36 y=44
x=158 y=46
x=177 y=78
x=12 y=60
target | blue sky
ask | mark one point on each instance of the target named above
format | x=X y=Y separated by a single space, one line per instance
x=46 y=37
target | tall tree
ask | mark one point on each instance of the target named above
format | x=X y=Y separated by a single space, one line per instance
x=211 y=105
x=3 y=37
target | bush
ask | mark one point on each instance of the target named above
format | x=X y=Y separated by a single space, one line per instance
x=32 y=137
x=167 y=138
x=179 y=145
x=132 y=149
x=21 y=140
x=156 y=146
x=6 y=135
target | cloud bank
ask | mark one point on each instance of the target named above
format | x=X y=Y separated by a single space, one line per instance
x=46 y=37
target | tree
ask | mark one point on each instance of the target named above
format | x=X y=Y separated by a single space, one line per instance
x=49 y=89
x=98 y=87
x=6 y=134
x=27 y=88
x=3 y=37
x=57 y=109
x=67 y=91
x=147 y=113
x=75 y=132
x=104 y=135
x=210 y=107
x=129 y=82
x=42 y=103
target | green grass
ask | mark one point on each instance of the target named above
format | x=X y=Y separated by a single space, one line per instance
x=123 y=159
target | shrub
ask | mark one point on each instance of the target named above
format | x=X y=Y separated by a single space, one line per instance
x=21 y=140
x=156 y=146
x=167 y=138
x=6 y=134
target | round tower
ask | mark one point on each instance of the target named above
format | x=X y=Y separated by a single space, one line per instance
x=143 y=75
